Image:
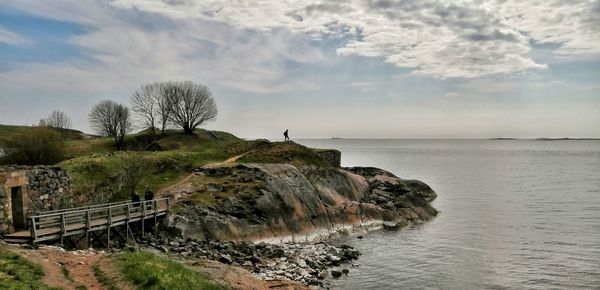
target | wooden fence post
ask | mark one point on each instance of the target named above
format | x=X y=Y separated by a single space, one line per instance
x=32 y=230
x=63 y=229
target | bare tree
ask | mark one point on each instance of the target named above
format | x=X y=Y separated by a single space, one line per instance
x=56 y=119
x=145 y=102
x=108 y=118
x=190 y=104
x=163 y=104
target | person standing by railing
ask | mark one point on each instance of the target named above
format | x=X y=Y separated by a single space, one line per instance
x=135 y=199
x=148 y=197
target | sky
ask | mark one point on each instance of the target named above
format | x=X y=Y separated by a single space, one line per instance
x=369 y=68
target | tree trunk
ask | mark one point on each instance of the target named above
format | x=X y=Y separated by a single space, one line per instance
x=188 y=130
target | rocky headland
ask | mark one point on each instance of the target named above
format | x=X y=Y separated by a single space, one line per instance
x=226 y=213
x=252 y=202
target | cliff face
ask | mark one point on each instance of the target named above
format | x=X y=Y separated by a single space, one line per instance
x=256 y=201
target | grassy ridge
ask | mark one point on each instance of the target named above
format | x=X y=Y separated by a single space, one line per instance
x=7 y=130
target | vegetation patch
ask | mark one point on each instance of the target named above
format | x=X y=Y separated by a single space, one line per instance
x=149 y=271
x=213 y=190
x=106 y=281
x=100 y=178
x=17 y=272
x=281 y=152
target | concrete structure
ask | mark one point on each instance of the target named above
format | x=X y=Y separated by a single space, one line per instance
x=25 y=190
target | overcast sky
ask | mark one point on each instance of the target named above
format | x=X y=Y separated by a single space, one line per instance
x=479 y=68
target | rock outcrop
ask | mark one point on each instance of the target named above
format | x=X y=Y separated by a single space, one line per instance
x=260 y=201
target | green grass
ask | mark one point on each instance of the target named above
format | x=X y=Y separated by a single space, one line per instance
x=282 y=152
x=90 y=173
x=149 y=271
x=104 y=279
x=7 y=130
x=19 y=273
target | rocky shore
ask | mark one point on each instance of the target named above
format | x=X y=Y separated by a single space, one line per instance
x=273 y=202
x=307 y=263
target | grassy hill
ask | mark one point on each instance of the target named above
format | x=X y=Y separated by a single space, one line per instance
x=97 y=169
x=6 y=131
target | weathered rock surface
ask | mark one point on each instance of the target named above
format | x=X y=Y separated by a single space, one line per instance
x=258 y=201
x=333 y=157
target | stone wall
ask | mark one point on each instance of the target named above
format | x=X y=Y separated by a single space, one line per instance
x=42 y=188
x=333 y=157
x=3 y=212
x=48 y=189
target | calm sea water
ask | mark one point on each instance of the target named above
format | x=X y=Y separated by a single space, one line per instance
x=514 y=215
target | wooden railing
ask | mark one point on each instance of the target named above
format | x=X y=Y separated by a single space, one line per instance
x=79 y=208
x=63 y=223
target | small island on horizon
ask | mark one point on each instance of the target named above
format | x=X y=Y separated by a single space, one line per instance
x=545 y=139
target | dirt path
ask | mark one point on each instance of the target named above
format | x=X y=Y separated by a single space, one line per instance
x=226 y=162
x=185 y=185
x=66 y=269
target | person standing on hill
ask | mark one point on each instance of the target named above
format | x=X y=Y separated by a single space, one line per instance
x=285 y=135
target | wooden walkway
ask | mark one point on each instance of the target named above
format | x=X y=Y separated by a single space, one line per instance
x=79 y=223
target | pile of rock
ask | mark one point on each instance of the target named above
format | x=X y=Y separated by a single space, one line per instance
x=306 y=263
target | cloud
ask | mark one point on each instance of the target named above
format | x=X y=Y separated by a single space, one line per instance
x=124 y=49
x=247 y=45
x=11 y=38
x=463 y=39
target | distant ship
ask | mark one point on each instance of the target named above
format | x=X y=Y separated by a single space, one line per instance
x=336 y=137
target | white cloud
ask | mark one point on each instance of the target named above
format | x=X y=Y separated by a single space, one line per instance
x=123 y=52
x=465 y=39
x=11 y=38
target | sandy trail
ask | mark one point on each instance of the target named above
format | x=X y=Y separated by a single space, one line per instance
x=185 y=184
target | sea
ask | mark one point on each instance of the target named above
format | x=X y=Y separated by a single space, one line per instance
x=514 y=214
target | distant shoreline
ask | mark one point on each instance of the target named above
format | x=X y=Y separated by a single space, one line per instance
x=545 y=139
